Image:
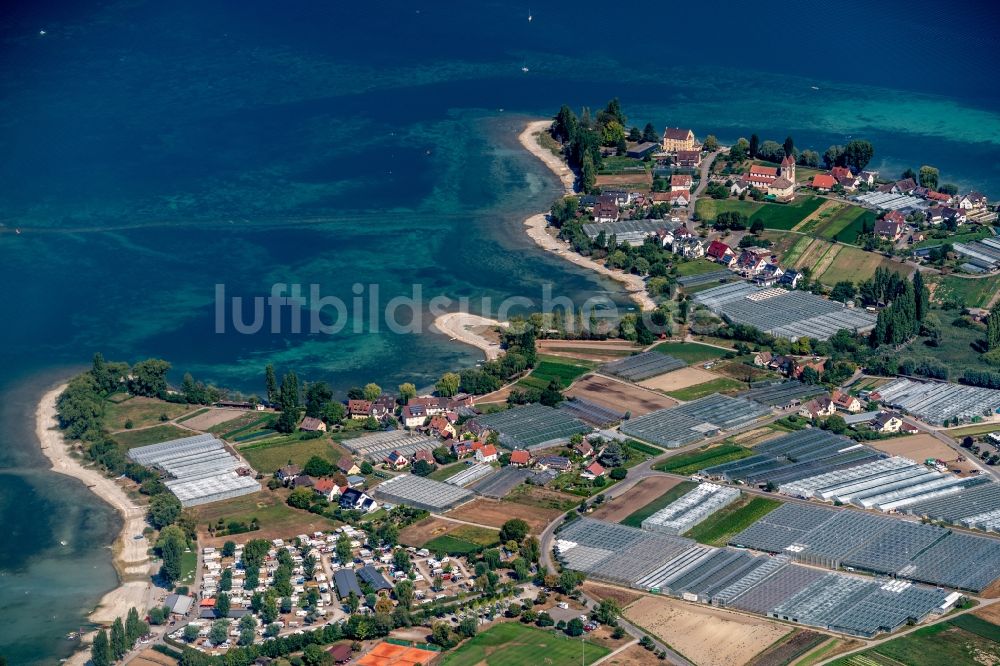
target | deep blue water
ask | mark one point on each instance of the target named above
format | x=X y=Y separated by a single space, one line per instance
x=154 y=150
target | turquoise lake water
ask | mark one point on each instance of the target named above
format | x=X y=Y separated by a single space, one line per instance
x=155 y=150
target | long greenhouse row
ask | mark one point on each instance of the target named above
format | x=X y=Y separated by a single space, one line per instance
x=786 y=314
x=532 y=427
x=937 y=403
x=642 y=366
x=198 y=469
x=676 y=426
x=884 y=545
x=377 y=446
x=690 y=509
x=763 y=584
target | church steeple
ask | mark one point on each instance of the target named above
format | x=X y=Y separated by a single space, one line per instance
x=788 y=168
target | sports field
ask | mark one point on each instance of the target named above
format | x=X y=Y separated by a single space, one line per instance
x=515 y=644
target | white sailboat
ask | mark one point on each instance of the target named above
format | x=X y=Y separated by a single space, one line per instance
x=530 y=16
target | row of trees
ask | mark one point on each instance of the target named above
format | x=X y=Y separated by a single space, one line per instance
x=857 y=154
x=908 y=307
x=109 y=647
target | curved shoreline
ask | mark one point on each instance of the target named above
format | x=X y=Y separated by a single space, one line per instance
x=457 y=326
x=130 y=558
x=536 y=225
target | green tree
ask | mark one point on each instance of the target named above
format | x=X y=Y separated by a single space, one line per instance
x=407 y=391
x=226 y=580
x=739 y=151
x=588 y=174
x=333 y=413
x=834 y=156
x=300 y=498
x=575 y=626
x=607 y=612
x=843 y=291
x=789 y=147
x=366 y=468
x=317 y=466
x=514 y=529
x=269 y=612
x=552 y=395
x=565 y=126
x=288 y=402
x=119 y=644
x=836 y=424
x=222 y=605
x=229 y=549
x=372 y=391
x=248 y=625
x=100 y=650
x=448 y=384
x=422 y=468
x=316 y=655
x=149 y=378
x=344 y=551
x=858 y=153
x=993 y=328
x=404 y=593
x=753 y=146
x=219 y=632
x=164 y=509
x=711 y=143
x=649 y=134
x=191 y=633
x=271 y=384
x=171 y=552
x=134 y=627
x=317 y=395
x=929 y=177
x=921 y=297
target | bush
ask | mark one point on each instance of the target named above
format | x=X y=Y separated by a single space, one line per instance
x=619 y=473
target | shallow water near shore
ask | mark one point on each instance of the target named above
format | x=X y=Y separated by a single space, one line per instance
x=156 y=150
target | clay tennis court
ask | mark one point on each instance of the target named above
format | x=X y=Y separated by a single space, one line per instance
x=620 y=396
x=719 y=638
x=634 y=498
x=679 y=379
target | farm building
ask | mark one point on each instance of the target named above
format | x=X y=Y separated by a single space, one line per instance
x=377 y=446
x=782 y=313
x=199 y=469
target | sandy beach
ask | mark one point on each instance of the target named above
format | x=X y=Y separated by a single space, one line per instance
x=536 y=225
x=463 y=328
x=130 y=558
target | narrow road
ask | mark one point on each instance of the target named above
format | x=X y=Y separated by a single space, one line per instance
x=954 y=446
x=706 y=167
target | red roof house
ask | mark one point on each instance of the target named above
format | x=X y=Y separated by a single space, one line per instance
x=520 y=457
x=595 y=470
x=823 y=181
x=719 y=251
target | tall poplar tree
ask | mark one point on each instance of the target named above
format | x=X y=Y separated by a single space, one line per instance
x=993 y=328
x=119 y=646
x=100 y=650
x=271 y=383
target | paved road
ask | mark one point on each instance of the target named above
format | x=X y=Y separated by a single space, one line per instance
x=706 y=166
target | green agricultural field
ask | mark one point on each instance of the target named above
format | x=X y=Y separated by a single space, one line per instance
x=978 y=626
x=697 y=267
x=451 y=546
x=717 y=529
x=269 y=508
x=967 y=292
x=141 y=411
x=555 y=367
x=689 y=463
x=797 y=249
x=854 y=264
x=635 y=518
x=846 y=224
x=956 y=238
x=719 y=385
x=972 y=430
x=943 y=643
x=690 y=352
x=444 y=471
x=708 y=209
x=786 y=216
x=267 y=456
x=481 y=536
x=957 y=349
x=161 y=433
x=516 y=644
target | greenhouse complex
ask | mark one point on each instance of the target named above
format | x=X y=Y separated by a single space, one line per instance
x=198 y=469
x=768 y=585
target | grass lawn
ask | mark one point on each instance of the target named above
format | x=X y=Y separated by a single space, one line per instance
x=786 y=216
x=193 y=414
x=239 y=424
x=541 y=498
x=854 y=264
x=516 y=644
x=154 y=435
x=189 y=566
x=708 y=388
x=690 y=352
x=981 y=429
x=708 y=209
x=444 y=471
x=955 y=238
x=956 y=349
x=481 y=536
x=942 y=643
x=270 y=510
x=697 y=267
x=689 y=463
x=635 y=518
x=266 y=457
x=555 y=367
x=449 y=545
x=967 y=292
x=718 y=528
x=142 y=411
